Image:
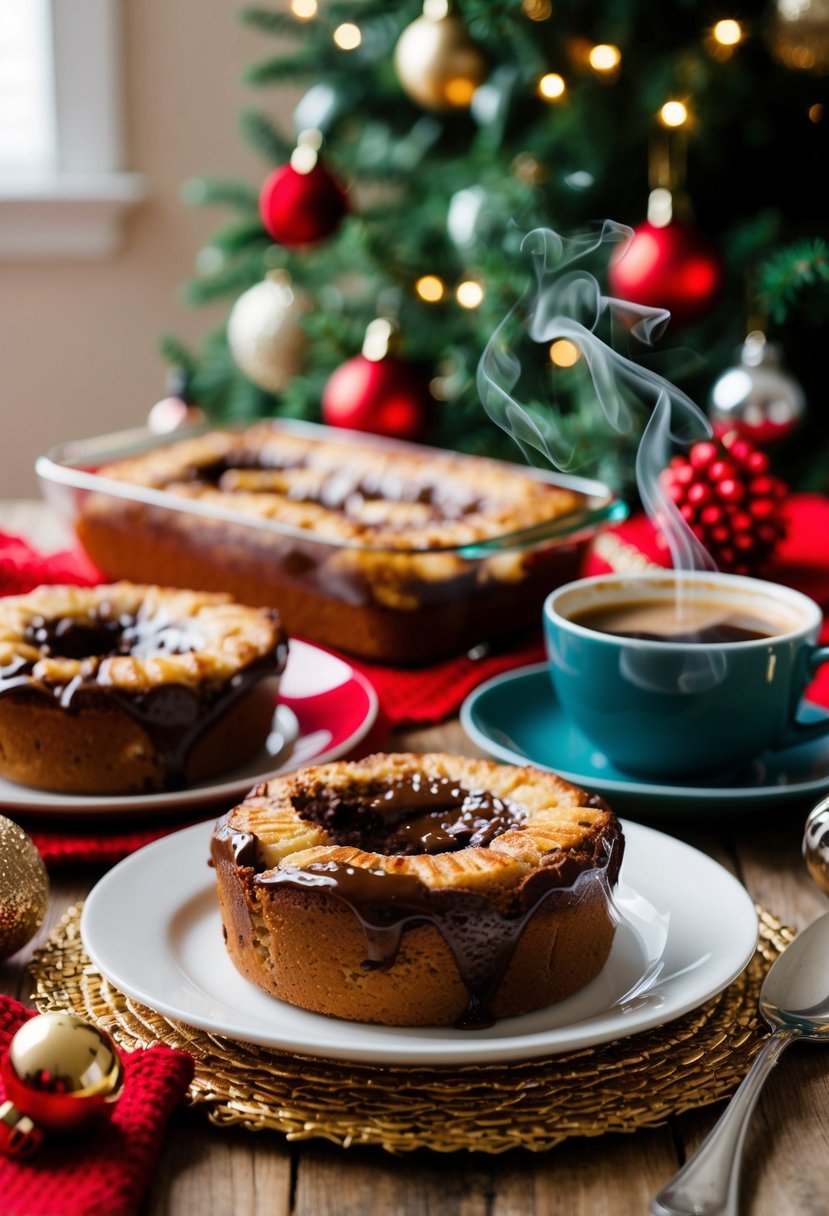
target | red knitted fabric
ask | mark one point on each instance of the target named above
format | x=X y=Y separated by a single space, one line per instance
x=107 y=1172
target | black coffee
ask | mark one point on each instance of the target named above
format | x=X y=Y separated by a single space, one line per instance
x=693 y=621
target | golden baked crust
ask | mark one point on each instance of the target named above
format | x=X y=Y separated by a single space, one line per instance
x=124 y=688
x=370 y=549
x=305 y=908
x=372 y=497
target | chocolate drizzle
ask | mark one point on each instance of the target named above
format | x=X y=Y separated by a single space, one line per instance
x=481 y=937
x=175 y=716
x=413 y=814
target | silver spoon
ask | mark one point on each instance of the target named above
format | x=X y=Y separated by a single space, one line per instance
x=794 y=1000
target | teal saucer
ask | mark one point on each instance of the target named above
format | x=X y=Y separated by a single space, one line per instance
x=515 y=717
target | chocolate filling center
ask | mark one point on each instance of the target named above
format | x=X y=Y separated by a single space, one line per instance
x=101 y=635
x=175 y=716
x=414 y=814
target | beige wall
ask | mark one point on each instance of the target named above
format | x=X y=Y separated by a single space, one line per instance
x=78 y=340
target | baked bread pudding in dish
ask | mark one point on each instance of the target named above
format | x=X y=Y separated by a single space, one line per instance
x=389 y=551
x=123 y=689
x=418 y=889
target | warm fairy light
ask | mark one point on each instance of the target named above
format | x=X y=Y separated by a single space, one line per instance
x=816 y=112
x=605 y=57
x=674 y=114
x=304 y=10
x=728 y=33
x=537 y=10
x=458 y=92
x=564 y=353
x=430 y=288
x=469 y=293
x=551 y=86
x=347 y=36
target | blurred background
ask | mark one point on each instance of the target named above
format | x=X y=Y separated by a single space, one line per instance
x=79 y=335
x=317 y=209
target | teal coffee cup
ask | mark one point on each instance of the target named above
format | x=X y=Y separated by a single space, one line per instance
x=674 y=675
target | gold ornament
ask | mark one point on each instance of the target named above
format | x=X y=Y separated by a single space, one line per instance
x=24 y=887
x=799 y=35
x=816 y=844
x=264 y=332
x=437 y=62
x=61 y=1074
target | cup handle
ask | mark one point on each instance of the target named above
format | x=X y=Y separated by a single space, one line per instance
x=802 y=732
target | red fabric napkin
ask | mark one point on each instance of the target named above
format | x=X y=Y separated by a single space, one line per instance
x=106 y=1172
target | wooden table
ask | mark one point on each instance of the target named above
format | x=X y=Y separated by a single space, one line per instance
x=205 y=1171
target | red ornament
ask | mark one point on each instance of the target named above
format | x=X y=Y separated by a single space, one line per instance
x=383 y=397
x=734 y=505
x=673 y=267
x=302 y=208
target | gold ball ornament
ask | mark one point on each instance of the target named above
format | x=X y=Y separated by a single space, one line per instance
x=24 y=887
x=265 y=334
x=798 y=36
x=437 y=62
x=816 y=844
x=61 y=1075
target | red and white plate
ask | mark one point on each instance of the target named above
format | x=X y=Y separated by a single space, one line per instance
x=325 y=709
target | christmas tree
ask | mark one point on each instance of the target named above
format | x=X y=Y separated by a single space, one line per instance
x=394 y=203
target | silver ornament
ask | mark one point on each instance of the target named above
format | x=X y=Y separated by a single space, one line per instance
x=264 y=332
x=816 y=844
x=757 y=397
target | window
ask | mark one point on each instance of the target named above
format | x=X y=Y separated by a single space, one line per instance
x=62 y=188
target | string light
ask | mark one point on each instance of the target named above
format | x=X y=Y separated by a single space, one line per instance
x=347 y=36
x=537 y=10
x=564 y=353
x=551 y=86
x=430 y=288
x=604 y=57
x=674 y=114
x=458 y=92
x=469 y=293
x=304 y=10
x=816 y=112
x=728 y=32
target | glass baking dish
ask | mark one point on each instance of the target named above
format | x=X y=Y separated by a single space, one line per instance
x=399 y=605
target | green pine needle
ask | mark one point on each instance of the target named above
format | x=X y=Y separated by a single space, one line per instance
x=796 y=279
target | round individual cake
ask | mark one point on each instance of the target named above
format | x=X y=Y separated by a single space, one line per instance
x=418 y=889
x=125 y=688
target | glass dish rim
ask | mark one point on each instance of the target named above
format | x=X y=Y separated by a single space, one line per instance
x=58 y=467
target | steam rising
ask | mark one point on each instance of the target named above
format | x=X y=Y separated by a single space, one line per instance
x=567 y=302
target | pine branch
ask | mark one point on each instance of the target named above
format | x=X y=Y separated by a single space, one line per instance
x=174 y=351
x=796 y=279
x=215 y=191
x=230 y=280
x=283 y=68
x=241 y=237
x=260 y=133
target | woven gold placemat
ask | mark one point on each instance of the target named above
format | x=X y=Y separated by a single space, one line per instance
x=618 y=1087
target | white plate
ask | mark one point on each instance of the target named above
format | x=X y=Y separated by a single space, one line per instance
x=325 y=709
x=687 y=930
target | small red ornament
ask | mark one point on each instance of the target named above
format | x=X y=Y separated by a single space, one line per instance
x=377 y=391
x=733 y=503
x=302 y=203
x=673 y=267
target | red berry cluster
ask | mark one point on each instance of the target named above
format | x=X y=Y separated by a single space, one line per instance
x=727 y=494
